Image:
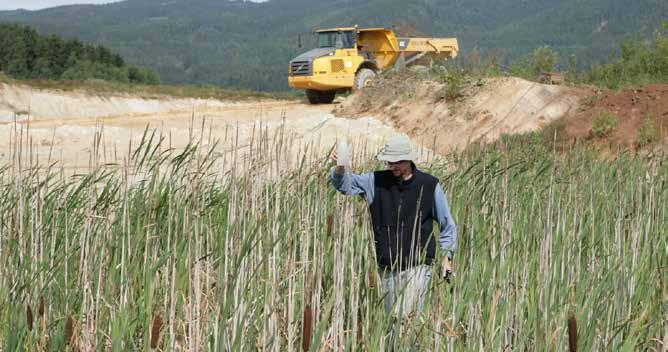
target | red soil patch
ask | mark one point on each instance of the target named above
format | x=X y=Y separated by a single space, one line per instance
x=629 y=106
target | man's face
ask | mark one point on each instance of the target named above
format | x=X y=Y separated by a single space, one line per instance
x=399 y=168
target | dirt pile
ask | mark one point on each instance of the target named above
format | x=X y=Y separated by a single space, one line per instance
x=628 y=110
x=481 y=110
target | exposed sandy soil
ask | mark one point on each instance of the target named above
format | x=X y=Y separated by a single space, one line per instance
x=64 y=127
x=630 y=107
x=486 y=109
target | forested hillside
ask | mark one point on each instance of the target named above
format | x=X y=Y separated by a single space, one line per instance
x=248 y=45
x=25 y=54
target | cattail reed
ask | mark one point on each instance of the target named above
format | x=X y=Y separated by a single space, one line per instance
x=155 y=330
x=229 y=241
x=40 y=310
x=69 y=330
x=29 y=317
x=306 y=336
x=572 y=333
x=371 y=279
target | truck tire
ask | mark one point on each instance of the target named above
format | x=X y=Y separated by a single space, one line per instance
x=320 y=97
x=364 y=77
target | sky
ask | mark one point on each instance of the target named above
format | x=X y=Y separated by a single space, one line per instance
x=42 y=4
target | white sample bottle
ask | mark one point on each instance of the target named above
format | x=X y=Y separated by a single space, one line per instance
x=342 y=158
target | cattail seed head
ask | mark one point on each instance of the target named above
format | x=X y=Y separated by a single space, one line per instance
x=40 y=311
x=306 y=338
x=155 y=330
x=371 y=277
x=69 y=330
x=29 y=317
x=572 y=333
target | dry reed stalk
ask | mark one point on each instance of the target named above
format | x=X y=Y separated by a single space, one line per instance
x=330 y=224
x=155 y=330
x=42 y=338
x=172 y=286
x=290 y=303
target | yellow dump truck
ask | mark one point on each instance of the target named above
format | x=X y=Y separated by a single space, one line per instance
x=349 y=58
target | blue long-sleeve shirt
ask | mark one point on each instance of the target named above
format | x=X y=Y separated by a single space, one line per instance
x=363 y=184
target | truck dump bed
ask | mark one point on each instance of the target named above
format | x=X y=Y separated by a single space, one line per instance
x=386 y=48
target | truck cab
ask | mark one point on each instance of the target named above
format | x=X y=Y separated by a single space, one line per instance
x=329 y=68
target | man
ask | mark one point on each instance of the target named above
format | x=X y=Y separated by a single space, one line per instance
x=403 y=202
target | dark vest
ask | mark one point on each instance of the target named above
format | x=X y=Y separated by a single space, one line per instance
x=402 y=218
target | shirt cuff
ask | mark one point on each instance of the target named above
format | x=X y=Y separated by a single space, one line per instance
x=334 y=176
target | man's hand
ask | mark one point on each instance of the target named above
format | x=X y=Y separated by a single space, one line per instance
x=340 y=170
x=446 y=269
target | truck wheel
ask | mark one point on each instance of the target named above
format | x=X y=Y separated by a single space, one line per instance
x=364 y=77
x=318 y=97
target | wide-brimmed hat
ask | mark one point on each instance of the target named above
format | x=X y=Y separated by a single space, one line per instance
x=397 y=148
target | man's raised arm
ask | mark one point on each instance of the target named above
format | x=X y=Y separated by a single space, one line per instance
x=352 y=184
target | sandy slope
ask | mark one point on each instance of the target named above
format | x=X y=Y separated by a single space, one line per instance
x=487 y=110
x=63 y=126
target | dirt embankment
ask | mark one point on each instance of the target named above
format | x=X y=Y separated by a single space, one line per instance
x=484 y=110
x=630 y=109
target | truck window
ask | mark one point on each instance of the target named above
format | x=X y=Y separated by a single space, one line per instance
x=339 y=40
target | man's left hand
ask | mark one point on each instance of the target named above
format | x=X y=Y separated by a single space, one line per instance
x=446 y=269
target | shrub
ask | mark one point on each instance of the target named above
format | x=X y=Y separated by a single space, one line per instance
x=454 y=84
x=522 y=68
x=454 y=87
x=83 y=70
x=142 y=75
x=604 y=125
x=544 y=59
